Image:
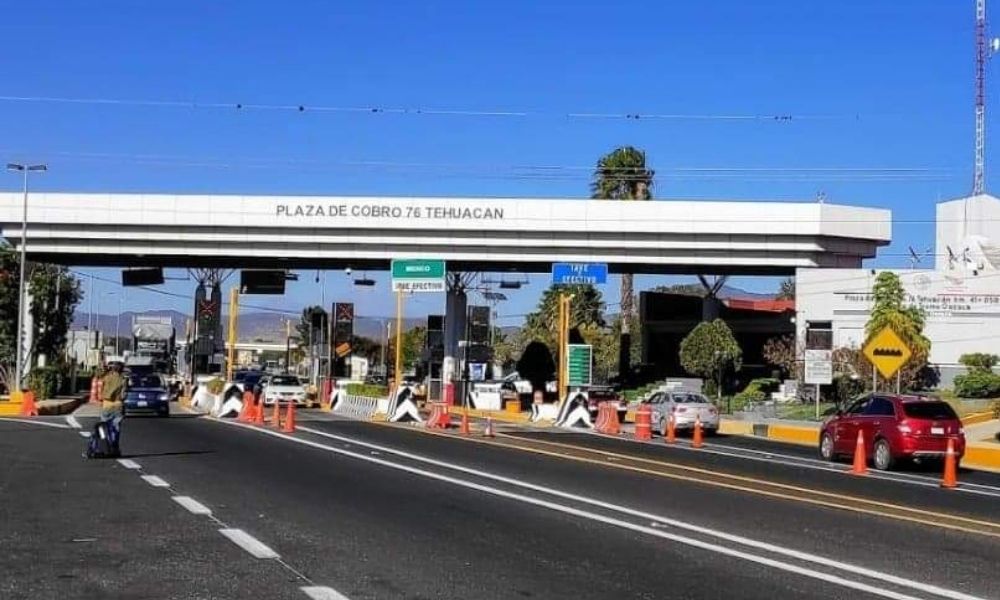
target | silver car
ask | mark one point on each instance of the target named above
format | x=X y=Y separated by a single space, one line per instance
x=686 y=408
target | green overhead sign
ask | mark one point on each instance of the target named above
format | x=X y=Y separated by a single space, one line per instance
x=579 y=361
x=418 y=275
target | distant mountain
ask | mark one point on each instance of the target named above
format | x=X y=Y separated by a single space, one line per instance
x=727 y=291
x=252 y=326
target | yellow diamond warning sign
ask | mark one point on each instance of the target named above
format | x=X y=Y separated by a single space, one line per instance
x=887 y=352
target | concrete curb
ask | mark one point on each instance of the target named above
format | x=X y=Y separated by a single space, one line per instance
x=498 y=415
x=977 y=418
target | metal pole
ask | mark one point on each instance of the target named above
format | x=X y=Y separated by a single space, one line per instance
x=898 y=375
x=817 y=402
x=397 y=374
x=234 y=309
x=19 y=373
x=118 y=324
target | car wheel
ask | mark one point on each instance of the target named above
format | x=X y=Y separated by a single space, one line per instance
x=826 y=447
x=663 y=427
x=882 y=456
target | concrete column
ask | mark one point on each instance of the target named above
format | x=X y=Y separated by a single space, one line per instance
x=456 y=303
x=710 y=308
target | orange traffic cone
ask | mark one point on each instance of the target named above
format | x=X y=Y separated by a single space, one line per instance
x=289 y=419
x=28 y=406
x=488 y=432
x=696 y=437
x=950 y=478
x=860 y=458
x=464 y=428
x=276 y=415
x=257 y=413
x=671 y=430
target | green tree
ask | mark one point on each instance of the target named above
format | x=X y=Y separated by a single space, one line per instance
x=622 y=175
x=979 y=361
x=787 y=289
x=414 y=340
x=889 y=309
x=586 y=309
x=710 y=349
x=304 y=329
x=54 y=294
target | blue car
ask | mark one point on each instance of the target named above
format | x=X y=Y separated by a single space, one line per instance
x=147 y=394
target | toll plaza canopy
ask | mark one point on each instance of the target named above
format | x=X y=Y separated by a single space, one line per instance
x=493 y=234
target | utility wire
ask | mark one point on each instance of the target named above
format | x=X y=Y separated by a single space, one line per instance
x=394 y=110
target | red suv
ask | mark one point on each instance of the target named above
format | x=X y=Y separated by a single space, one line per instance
x=895 y=428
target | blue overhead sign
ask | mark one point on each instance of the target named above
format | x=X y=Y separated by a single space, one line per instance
x=577 y=273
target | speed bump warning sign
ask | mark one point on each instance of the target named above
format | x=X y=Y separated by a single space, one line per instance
x=888 y=352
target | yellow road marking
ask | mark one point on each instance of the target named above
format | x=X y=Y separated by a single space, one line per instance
x=736 y=487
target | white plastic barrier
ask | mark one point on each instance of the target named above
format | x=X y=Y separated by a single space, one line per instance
x=544 y=412
x=574 y=413
x=203 y=401
x=358 y=407
x=485 y=396
x=230 y=408
x=402 y=408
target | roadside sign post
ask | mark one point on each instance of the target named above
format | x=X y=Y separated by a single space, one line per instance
x=887 y=353
x=818 y=370
x=412 y=275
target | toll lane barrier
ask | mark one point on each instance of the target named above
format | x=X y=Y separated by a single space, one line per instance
x=607 y=419
x=359 y=407
x=439 y=417
x=496 y=415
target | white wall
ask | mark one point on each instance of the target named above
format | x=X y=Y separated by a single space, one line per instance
x=962 y=310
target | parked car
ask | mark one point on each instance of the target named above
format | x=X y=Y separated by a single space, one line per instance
x=284 y=388
x=895 y=428
x=687 y=408
x=598 y=394
x=147 y=394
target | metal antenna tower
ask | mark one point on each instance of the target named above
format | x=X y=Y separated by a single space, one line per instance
x=979 y=172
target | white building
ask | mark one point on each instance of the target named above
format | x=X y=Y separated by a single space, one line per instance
x=961 y=296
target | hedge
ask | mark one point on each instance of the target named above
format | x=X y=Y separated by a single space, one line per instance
x=758 y=390
x=45 y=382
x=977 y=384
x=368 y=390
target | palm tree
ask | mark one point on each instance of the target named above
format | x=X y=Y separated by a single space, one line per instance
x=622 y=175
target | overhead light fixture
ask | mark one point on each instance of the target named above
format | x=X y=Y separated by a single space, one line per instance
x=510 y=285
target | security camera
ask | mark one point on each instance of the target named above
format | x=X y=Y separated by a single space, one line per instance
x=347 y=271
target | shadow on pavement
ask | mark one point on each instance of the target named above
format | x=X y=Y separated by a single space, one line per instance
x=179 y=453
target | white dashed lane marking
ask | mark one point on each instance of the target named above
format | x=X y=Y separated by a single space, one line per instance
x=155 y=481
x=244 y=540
x=192 y=505
x=129 y=463
x=319 y=592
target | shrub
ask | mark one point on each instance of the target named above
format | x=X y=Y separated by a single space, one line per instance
x=977 y=384
x=366 y=389
x=45 y=382
x=996 y=414
x=215 y=385
x=979 y=361
x=845 y=388
x=758 y=390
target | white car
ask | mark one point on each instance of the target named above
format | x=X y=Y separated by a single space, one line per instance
x=687 y=407
x=284 y=388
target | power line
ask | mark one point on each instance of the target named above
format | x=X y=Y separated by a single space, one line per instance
x=425 y=111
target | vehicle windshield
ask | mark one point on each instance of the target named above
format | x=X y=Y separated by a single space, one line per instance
x=145 y=381
x=284 y=380
x=689 y=398
x=929 y=410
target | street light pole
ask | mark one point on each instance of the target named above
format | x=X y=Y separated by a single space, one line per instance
x=24 y=169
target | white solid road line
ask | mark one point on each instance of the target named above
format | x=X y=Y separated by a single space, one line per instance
x=34 y=421
x=128 y=463
x=155 y=481
x=771 y=548
x=644 y=515
x=192 y=505
x=72 y=422
x=318 y=592
x=249 y=543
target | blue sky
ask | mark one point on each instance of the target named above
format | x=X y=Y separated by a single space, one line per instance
x=872 y=84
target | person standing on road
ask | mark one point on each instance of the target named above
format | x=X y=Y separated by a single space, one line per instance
x=112 y=399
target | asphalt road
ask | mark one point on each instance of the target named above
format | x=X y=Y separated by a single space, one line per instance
x=373 y=511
